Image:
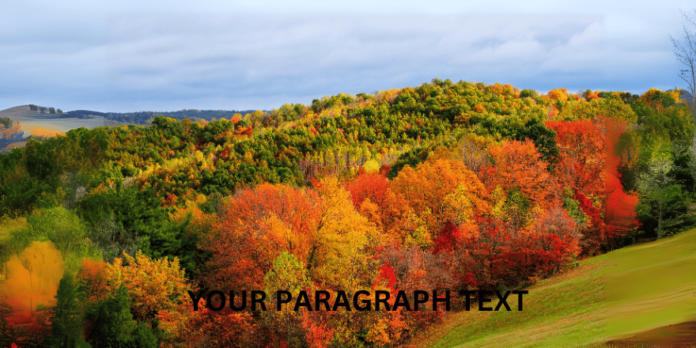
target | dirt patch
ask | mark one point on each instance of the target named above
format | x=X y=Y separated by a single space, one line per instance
x=681 y=335
x=17 y=144
x=42 y=132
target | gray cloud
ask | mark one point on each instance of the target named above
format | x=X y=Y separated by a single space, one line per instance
x=116 y=59
x=302 y=55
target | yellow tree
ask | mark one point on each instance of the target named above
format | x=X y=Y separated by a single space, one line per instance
x=9 y=129
x=342 y=239
x=442 y=190
x=153 y=285
x=33 y=277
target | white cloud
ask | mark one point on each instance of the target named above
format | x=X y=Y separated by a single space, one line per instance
x=583 y=51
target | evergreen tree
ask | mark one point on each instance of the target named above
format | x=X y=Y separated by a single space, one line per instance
x=68 y=321
x=112 y=324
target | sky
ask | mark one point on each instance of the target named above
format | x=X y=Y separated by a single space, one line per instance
x=126 y=55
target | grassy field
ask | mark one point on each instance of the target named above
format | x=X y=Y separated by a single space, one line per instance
x=34 y=123
x=613 y=296
x=44 y=126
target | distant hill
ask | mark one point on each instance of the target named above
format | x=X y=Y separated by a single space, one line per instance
x=141 y=117
x=31 y=110
x=137 y=117
x=685 y=95
x=49 y=121
x=18 y=111
x=46 y=121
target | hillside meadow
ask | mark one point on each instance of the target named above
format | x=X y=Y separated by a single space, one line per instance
x=609 y=298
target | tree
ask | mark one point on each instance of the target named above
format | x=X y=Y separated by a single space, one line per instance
x=619 y=205
x=153 y=285
x=33 y=277
x=473 y=152
x=442 y=190
x=67 y=322
x=447 y=240
x=255 y=226
x=39 y=159
x=580 y=161
x=10 y=131
x=93 y=280
x=658 y=188
x=287 y=274
x=374 y=198
x=340 y=256
x=321 y=228
x=111 y=324
x=686 y=55
x=497 y=261
x=373 y=186
x=519 y=166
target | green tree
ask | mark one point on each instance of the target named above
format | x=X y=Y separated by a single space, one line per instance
x=660 y=194
x=287 y=274
x=68 y=321
x=6 y=122
x=112 y=325
x=39 y=159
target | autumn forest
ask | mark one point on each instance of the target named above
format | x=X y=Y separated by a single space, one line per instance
x=104 y=231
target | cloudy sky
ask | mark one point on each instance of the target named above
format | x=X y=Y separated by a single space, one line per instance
x=170 y=55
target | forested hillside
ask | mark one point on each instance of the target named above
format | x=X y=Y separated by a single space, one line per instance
x=443 y=186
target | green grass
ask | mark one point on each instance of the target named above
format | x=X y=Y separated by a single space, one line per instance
x=610 y=296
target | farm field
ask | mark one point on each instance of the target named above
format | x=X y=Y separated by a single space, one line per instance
x=38 y=124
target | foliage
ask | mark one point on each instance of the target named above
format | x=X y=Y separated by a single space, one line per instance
x=110 y=324
x=153 y=285
x=442 y=190
x=440 y=186
x=68 y=320
x=518 y=166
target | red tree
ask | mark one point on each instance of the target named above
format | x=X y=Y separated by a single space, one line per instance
x=448 y=239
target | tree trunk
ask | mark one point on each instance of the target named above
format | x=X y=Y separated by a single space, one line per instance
x=659 y=220
x=693 y=113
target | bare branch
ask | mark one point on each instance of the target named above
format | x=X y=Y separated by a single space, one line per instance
x=685 y=53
